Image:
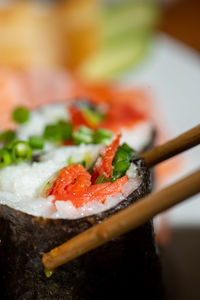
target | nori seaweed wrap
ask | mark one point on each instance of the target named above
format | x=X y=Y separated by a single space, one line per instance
x=127 y=267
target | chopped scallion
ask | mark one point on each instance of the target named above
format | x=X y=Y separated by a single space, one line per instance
x=102 y=136
x=121 y=161
x=61 y=131
x=21 y=151
x=36 y=142
x=83 y=135
x=5 y=158
x=7 y=136
x=51 y=132
x=21 y=115
x=65 y=130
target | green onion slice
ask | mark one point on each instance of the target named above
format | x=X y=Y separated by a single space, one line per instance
x=60 y=131
x=7 y=136
x=21 y=115
x=5 y=158
x=21 y=151
x=121 y=162
x=65 y=129
x=83 y=135
x=36 y=142
x=102 y=136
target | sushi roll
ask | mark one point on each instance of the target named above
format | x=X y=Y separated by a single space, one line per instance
x=51 y=190
x=136 y=127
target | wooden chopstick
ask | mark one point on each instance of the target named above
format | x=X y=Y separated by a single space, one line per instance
x=175 y=146
x=139 y=212
x=123 y=221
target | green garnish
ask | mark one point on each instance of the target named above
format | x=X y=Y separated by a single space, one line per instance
x=102 y=179
x=21 y=115
x=21 y=151
x=7 y=136
x=83 y=135
x=5 y=158
x=65 y=130
x=121 y=161
x=60 y=131
x=51 y=132
x=48 y=273
x=36 y=142
x=93 y=117
x=102 y=136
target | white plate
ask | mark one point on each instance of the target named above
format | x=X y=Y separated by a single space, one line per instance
x=172 y=74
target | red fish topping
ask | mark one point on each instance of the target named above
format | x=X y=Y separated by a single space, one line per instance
x=104 y=164
x=77 y=117
x=74 y=184
x=121 y=115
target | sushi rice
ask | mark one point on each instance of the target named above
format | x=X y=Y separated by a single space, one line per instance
x=21 y=185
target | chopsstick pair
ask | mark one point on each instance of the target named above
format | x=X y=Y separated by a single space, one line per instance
x=137 y=213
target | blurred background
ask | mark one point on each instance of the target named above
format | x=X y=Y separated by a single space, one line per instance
x=147 y=44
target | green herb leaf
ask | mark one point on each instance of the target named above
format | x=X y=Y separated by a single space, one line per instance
x=121 y=161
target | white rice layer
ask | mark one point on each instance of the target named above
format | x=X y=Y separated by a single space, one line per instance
x=38 y=206
x=40 y=118
x=27 y=179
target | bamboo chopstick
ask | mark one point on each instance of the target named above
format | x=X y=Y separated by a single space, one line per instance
x=143 y=210
x=123 y=221
x=175 y=146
